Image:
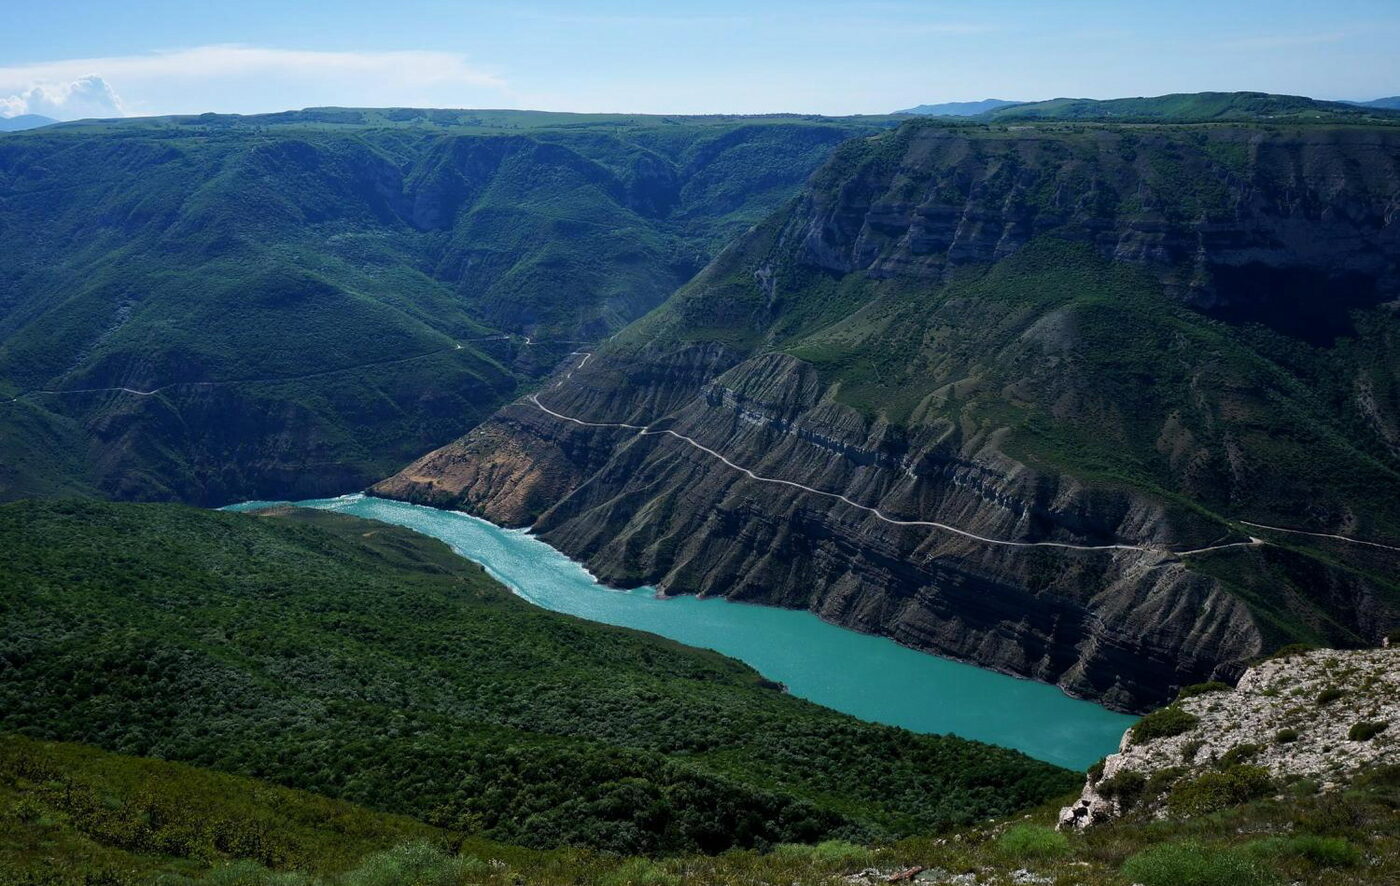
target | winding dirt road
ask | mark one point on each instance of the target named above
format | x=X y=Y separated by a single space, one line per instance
x=647 y=430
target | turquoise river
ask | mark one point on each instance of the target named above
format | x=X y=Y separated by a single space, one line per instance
x=869 y=677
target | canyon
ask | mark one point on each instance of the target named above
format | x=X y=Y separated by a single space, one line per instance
x=1142 y=337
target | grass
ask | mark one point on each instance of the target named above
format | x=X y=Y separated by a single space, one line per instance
x=1192 y=864
x=71 y=814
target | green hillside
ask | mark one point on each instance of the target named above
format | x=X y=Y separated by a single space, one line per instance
x=316 y=297
x=370 y=664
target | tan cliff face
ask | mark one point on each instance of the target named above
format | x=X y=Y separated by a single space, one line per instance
x=831 y=418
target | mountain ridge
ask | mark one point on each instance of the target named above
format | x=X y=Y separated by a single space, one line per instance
x=190 y=258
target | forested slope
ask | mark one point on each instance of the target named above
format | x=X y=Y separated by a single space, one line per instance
x=212 y=309
x=367 y=663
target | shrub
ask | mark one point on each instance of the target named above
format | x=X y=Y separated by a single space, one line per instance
x=1290 y=650
x=1163 y=723
x=1387 y=776
x=1028 y=841
x=1196 y=689
x=1238 y=754
x=1096 y=771
x=840 y=852
x=1365 y=731
x=1286 y=735
x=1162 y=779
x=1214 y=791
x=1190 y=749
x=1126 y=787
x=1329 y=695
x=1192 y=864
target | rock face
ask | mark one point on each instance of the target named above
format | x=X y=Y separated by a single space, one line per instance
x=659 y=510
x=789 y=428
x=1294 y=716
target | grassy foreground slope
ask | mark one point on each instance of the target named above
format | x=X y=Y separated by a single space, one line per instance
x=313 y=298
x=71 y=814
x=367 y=663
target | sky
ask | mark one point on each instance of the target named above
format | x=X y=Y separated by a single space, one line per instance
x=79 y=58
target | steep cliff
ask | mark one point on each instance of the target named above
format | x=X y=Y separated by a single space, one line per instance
x=1007 y=395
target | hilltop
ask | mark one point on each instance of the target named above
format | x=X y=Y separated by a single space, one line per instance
x=958 y=109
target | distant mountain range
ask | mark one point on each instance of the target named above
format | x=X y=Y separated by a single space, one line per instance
x=959 y=109
x=24 y=121
x=1195 y=107
x=1390 y=103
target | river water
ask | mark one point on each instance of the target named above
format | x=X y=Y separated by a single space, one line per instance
x=869 y=677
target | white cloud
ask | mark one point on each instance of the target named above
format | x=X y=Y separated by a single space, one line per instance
x=87 y=96
x=246 y=79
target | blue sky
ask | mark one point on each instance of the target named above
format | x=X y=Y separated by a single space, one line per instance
x=73 y=58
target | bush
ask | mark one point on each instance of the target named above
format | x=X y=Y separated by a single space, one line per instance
x=1190 y=749
x=1163 y=723
x=1214 y=791
x=1126 y=787
x=1290 y=650
x=1329 y=695
x=1286 y=735
x=1365 y=731
x=1196 y=689
x=1163 y=779
x=1029 y=841
x=1192 y=864
x=1238 y=754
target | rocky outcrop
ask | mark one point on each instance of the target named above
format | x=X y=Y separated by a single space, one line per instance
x=1324 y=715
